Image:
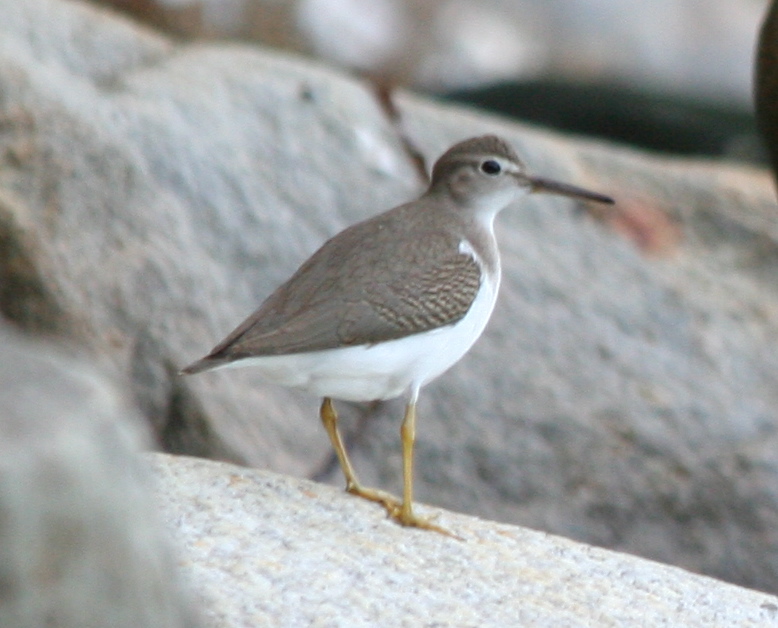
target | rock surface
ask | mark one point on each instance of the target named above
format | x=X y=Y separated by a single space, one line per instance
x=80 y=543
x=268 y=550
x=152 y=194
x=697 y=47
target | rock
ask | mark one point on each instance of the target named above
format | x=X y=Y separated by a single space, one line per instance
x=127 y=233
x=700 y=50
x=152 y=194
x=81 y=545
x=268 y=550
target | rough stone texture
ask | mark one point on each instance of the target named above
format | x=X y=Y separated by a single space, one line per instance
x=268 y=550
x=151 y=195
x=80 y=543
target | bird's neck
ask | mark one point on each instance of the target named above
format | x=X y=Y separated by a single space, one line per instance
x=474 y=223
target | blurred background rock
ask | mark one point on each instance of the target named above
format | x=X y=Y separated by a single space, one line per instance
x=667 y=75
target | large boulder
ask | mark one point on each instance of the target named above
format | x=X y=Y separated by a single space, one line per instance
x=152 y=194
x=81 y=543
x=267 y=550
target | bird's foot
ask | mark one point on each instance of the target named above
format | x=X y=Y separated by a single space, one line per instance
x=412 y=520
x=399 y=511
x=387 y=500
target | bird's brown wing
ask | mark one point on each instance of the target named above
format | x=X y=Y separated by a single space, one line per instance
x=433 y=293
x=378 y=298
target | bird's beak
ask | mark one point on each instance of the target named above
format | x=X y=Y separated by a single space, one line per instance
x=540 y=185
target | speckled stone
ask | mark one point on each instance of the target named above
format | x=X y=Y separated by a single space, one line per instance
x=269 y=550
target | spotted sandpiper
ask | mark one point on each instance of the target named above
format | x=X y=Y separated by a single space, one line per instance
x=389 y=304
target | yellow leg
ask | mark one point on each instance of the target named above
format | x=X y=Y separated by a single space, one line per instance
x=408 y=439
x=330 y=420
x=402 y=512
x=406 y=516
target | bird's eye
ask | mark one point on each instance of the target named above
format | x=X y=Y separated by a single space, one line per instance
x=491 y=167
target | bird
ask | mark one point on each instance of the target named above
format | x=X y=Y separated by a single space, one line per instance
x=390 y=303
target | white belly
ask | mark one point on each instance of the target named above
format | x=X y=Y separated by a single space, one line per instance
x=385 y=370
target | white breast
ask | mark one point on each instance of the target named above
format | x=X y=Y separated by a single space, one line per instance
x=388 y=369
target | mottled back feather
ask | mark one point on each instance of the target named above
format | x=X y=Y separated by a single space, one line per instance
x=410 y=277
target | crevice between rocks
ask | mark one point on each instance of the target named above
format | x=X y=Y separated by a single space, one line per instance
x=187 y=428
x=25 y=298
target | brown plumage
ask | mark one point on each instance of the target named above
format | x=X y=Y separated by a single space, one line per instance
x=380 y=298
